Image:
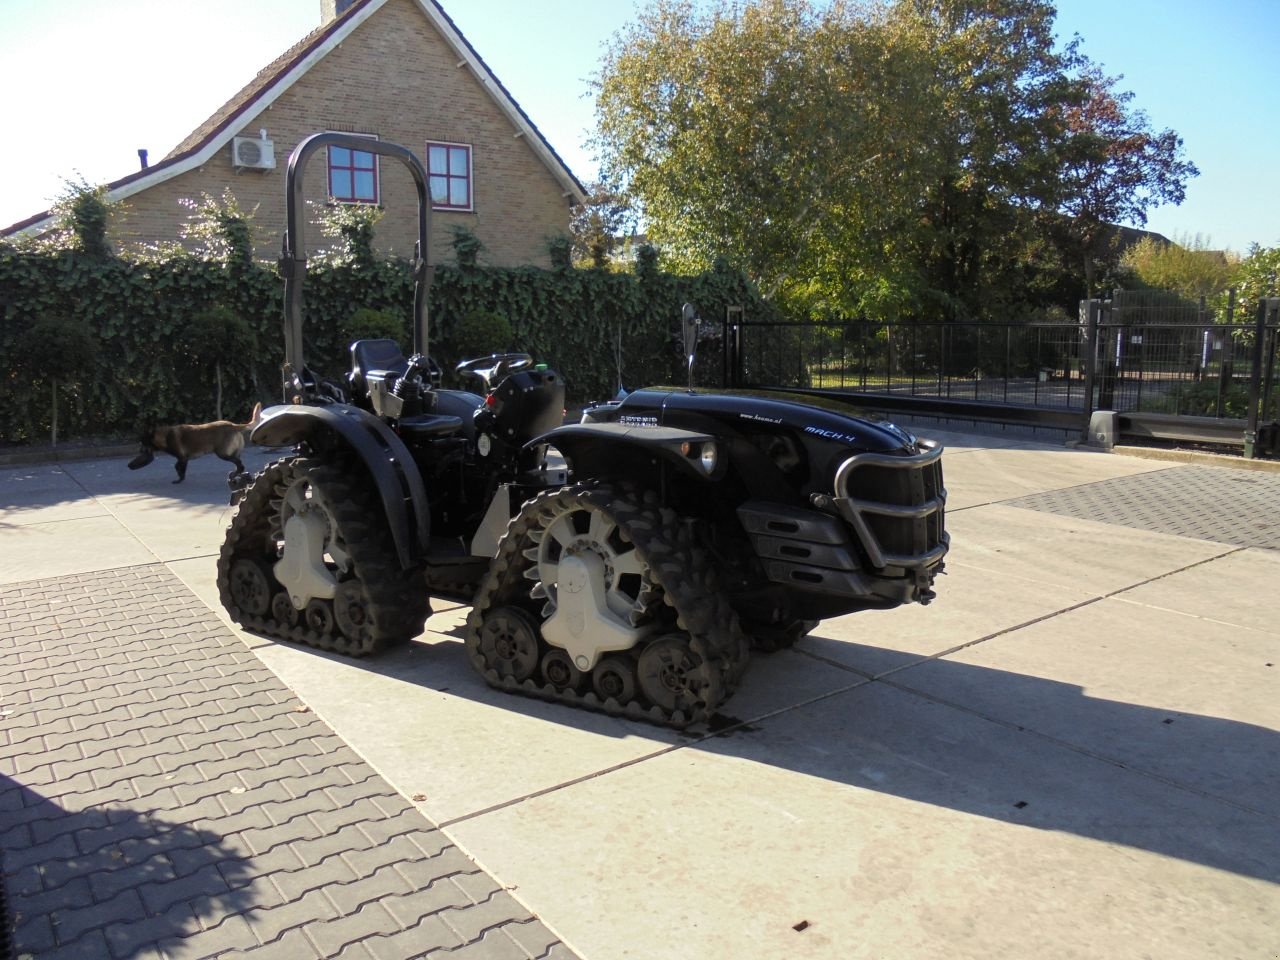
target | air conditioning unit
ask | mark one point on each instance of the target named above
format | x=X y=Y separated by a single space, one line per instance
x=253 y=153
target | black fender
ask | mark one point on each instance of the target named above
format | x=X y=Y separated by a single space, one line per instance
x=399 y=483
x=610 y=449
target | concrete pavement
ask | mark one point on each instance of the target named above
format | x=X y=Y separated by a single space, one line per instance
x=1074 y=752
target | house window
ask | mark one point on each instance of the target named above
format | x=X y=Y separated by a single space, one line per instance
x=353 y=175
x=449 y=172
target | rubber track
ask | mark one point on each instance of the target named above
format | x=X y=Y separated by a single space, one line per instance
x=677 y=566
x=398 y=599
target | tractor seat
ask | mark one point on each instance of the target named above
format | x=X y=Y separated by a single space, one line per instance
x=375 y=358
x=430 y=425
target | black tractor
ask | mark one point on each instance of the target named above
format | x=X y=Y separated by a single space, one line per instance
x=628 y=563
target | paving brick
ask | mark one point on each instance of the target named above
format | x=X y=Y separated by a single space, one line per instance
x=281 y=773
x=434 y=898
x=335 y=818
x=54 y=901
x=321 y=845
x=91 y=944
x=126 y=938
x=319 y=876
x=269 y=923
x=398 y=850
x=74 y=922
x=534 y=938
x=475 y=919
x=94 y=838
x=478 y=885
x=430 y=937
x=161 y=895
x=232 y=933
x=408 y=822
x=62 y=847
x=33 y=934
x=333 y=778
x=106 y=884
x=493 y=945
x=371 y=920
x=293 y=945
x=383 y=883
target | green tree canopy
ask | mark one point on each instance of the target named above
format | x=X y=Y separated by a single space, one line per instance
x=1189 y=267
x=900 y=159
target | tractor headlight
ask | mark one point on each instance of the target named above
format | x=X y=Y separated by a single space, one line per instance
x=707 y=458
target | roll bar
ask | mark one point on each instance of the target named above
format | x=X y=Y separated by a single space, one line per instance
x=293 y=255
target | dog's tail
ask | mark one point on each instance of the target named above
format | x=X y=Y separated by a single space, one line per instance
x=254 y=419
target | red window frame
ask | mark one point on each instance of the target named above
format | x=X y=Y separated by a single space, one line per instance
x=449 y=175
x=356 y=164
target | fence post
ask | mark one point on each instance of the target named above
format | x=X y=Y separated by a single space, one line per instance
x=1265 y=306
x=731 y=360
x=1089 y=332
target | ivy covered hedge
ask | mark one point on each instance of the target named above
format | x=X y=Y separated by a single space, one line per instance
x=155 y=358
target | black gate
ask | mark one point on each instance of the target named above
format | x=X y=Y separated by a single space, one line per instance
x=1166 y=370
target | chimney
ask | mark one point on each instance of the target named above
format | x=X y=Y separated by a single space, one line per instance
x=142 y=157
x=331 y=9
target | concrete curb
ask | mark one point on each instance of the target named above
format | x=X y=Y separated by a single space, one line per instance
x=55 y=455
x=1197 y=456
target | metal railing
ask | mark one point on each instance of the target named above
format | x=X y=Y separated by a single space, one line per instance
x=1048 y=374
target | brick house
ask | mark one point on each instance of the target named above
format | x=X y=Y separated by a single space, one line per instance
x=397 y=70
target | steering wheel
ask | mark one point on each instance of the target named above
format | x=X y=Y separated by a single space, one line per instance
x=494 y=367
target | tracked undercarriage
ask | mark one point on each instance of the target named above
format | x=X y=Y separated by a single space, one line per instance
x=598 y=598
x=308 y=558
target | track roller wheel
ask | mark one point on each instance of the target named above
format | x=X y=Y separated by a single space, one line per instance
x=283 y=611
x=672 y=675
x=250 y=585
x=559 y=671
x=319 y=617
x=509 y=643
x=351 y=611
x=614 y=678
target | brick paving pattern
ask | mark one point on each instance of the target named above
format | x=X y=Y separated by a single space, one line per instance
x=164 y=795
x=1238 y=507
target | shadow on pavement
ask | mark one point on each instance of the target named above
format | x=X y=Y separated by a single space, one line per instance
x=111 y=881
x=1021 y=749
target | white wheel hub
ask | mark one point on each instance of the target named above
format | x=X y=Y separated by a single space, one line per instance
x=583 y=625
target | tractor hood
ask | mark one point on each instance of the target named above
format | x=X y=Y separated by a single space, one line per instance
x=815 y=417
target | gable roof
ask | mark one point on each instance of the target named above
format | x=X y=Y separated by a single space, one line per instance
x=286 y=70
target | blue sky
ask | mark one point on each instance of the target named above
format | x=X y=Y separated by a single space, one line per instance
x=88 y=82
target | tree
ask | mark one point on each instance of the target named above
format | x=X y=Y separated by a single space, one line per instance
x=901 y=160
x=779 y=135
x=1254 y=278
x=1001 y=88
x=596 y=224
x=1188 y=267
x=1114 y=168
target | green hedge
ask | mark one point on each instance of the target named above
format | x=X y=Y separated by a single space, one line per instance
x=144 y=312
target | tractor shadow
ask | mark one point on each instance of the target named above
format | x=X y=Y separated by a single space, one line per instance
x=990 y=743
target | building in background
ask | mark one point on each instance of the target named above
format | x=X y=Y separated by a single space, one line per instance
x=397 y=70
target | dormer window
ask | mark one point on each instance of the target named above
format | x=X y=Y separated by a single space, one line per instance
x=449 y=173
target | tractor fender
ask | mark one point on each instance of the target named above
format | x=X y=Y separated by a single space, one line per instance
x=394 y=473
x=610 y=449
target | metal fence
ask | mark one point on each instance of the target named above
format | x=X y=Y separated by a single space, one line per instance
x=1147 y=358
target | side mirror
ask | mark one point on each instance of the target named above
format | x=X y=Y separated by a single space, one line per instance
x=691 y=320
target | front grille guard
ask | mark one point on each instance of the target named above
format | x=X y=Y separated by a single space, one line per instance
x=855 y=510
